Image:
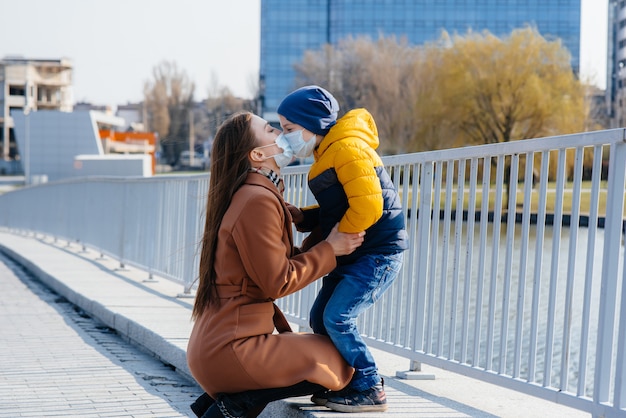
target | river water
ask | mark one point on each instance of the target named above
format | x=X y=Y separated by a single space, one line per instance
x=544 y=284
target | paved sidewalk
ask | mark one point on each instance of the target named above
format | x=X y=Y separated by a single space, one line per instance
x=150 y=315
x=56 y=361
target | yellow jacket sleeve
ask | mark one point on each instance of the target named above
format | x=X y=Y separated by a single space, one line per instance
x=356 y=172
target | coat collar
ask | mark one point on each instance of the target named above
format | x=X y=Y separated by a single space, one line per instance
x=259 y=179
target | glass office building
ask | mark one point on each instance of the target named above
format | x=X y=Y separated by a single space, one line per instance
x=288 y=28
x=616 y=64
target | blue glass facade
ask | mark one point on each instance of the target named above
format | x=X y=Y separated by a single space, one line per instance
x=288 y=28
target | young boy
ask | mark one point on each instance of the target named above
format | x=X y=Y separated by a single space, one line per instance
x=351 y=187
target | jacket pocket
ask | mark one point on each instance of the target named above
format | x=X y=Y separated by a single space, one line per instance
x=255 y=319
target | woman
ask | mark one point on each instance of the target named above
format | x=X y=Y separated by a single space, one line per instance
x=247 y=261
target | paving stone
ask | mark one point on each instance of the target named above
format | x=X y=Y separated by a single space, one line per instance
x=58 y=361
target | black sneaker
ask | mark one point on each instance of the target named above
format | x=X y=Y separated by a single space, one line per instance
x=321 y=397
x=369 y=400
x=202 y=404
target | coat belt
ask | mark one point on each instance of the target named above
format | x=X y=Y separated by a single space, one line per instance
x=226 y=291
x=246 y=288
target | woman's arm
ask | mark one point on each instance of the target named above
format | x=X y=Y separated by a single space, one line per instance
x=266 y=252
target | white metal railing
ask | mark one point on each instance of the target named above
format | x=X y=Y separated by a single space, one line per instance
x=519 y=286
x=154 y=223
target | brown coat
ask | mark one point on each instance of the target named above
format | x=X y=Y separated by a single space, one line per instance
x=233 y=347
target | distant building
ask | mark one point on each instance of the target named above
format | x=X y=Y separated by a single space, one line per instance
x=134 y=115
x=30 y=85
x=598 y=115
x=289 y=28
x=616 y=63
x=58 y=145
x=84 y=106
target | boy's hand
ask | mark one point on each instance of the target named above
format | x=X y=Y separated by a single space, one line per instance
x=296 y=213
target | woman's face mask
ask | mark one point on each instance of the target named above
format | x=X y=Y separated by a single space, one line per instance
x=282 y=158
x=300 y=147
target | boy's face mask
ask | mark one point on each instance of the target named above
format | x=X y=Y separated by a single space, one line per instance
x=301 y=148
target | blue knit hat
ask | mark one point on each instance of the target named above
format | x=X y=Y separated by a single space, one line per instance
x=311 y=107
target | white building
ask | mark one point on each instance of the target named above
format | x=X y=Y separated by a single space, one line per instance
x=56 y=145
x=134 y=115
x=29 y=85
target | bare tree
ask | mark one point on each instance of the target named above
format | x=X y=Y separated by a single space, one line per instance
x=168 y=98
x=221 y=103
x=595 y=101
x=380 y=76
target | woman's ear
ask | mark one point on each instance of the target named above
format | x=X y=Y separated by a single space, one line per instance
x=256 y=155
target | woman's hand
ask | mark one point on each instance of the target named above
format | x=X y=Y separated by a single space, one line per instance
x=343 y=243
x=296 y=213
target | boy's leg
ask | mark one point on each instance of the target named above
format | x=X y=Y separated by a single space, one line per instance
x=361 y=284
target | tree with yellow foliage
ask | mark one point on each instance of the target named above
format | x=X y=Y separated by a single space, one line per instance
x=483 y=89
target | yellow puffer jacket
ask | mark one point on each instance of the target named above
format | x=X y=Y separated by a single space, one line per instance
x=352 y=187
x=347 y=159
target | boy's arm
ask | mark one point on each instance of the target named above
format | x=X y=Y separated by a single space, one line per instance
x=356 y=171
x=311 y=218
x=306 y=218
x=312 y=239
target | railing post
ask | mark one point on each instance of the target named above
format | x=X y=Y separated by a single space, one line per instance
x=125 y=219
x=190 y=237
x=610 y=266
x=415 y=372
x=620 y=366
x=422 y=243
x=152 y=231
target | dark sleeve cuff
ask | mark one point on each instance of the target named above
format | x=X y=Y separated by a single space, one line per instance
x=311 y=219
x=314 y=238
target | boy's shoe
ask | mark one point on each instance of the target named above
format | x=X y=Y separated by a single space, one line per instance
x=369 y=400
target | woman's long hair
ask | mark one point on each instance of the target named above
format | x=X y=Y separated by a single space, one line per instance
x=229 y=168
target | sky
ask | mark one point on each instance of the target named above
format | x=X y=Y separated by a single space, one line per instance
x=115 y=44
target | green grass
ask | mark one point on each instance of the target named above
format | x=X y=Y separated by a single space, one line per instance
x=585 y=198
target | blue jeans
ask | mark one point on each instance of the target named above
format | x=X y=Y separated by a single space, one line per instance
x=348 y=291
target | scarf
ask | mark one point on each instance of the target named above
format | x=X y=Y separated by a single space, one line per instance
x=272 y=176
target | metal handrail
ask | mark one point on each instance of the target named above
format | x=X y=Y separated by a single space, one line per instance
x=514 y=273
